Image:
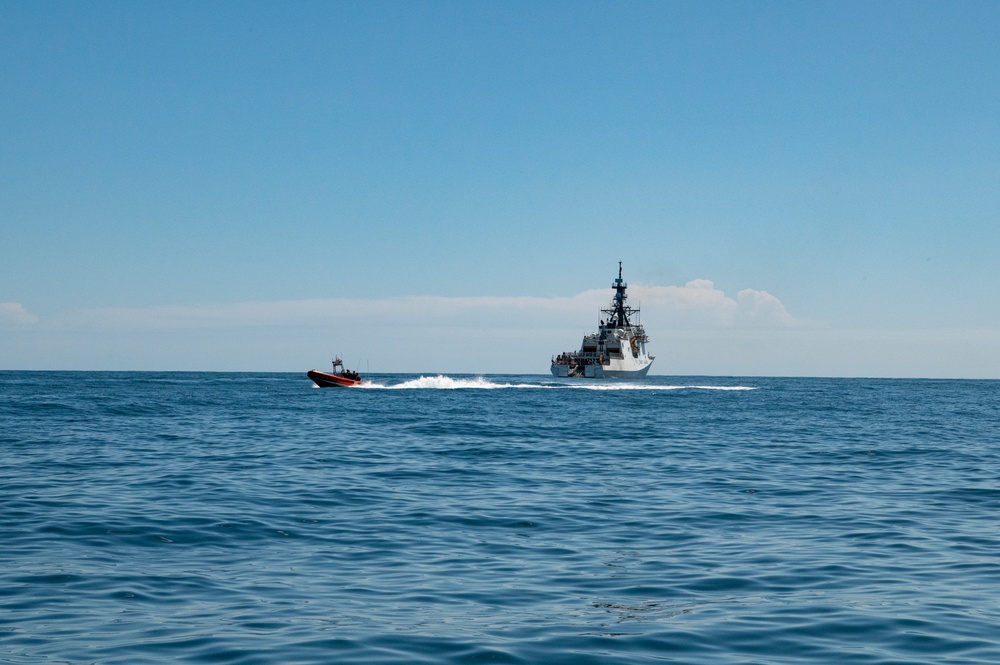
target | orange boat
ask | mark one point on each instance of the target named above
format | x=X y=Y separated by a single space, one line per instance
x=339 y=378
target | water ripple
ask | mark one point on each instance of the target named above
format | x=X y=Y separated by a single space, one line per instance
x=241 y=518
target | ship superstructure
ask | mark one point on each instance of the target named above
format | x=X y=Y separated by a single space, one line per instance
x=618 y=348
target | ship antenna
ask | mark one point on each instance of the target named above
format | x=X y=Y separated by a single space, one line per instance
x=619 y=270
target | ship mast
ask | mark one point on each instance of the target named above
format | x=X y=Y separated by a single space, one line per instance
x=619 y=313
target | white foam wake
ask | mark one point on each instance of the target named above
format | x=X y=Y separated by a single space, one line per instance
x=441 y=382
x=640 y=386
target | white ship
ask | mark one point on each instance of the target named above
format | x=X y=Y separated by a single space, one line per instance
x=617 y=350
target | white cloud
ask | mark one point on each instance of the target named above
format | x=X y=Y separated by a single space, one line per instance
x=760 y=308
x=695 y=328
x=14 y=313
x=406 y=334
x=698 y=304
x=421 y=311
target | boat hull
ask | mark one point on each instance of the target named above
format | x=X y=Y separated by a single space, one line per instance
x=327 y=380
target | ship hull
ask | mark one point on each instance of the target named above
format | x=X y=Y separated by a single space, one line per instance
x=326 y=380
x=595 y=371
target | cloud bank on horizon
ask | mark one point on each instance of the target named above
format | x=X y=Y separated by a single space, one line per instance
x=696 y=329
x=513 y=334
x=696 y=305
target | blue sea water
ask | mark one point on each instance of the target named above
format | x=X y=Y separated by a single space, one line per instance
x=253 y=518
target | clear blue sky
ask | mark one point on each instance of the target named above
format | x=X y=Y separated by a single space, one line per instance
x=175 y=176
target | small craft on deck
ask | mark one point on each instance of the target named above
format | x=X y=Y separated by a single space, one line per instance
x=339 y=378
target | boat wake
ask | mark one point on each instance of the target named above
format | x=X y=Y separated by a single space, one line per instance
x=441 y=382
x=632 y=386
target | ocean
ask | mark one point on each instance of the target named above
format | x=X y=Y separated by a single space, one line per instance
x=253 y=518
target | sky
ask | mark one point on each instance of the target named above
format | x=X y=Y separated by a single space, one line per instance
x=793 y=188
